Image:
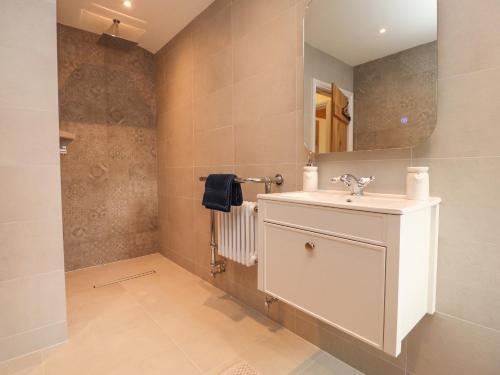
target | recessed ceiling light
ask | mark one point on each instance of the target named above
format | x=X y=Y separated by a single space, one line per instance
x=127 y=3
x=382 y=30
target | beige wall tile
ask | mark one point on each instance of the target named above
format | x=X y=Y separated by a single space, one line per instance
x=28 y=128
x=269 y=93
x=390 y=175
x=299 y=84
x=176 y=92
x=176 y=61
x=267 y=140
x=163 y=232
x=30 y=247
x=265 y=47
x=178 y=182
x=284 y=314
x=396 y=153
x=251 y=15
x=373 y=365
x=40 y=26
x=213 y=73
x=212 y=32
x=464 y=44
x=461 y=132
x=213 y=110
x=467 y=212
x=211 y=11
x=176 y=123
x=179 y=258
x=214 y=147
x=29 y=193
x=38 y=79
x=27 y=301
x=180 y=227
x=23 y=365
x=182 y=39
x=325 y=363
x=32 y=294
x=445 y=345
x=30 y=341
x=177 y=150
x=340 y=348
x=468 y=272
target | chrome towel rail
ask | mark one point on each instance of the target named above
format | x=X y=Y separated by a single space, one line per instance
x=219 y=266
x=268 y=181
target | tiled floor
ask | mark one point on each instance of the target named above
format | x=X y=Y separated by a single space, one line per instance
x=170 y=322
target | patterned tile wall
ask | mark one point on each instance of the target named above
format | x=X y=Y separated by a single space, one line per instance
x=402 y=84
x=109 y=184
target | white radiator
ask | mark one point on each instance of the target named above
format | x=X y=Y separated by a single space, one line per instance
x=237 y=233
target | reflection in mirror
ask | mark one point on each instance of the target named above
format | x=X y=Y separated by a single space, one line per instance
x=370 y=74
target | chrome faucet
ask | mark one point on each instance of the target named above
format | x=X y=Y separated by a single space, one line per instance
x=355 y=185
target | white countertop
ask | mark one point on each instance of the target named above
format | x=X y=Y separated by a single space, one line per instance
x=371 y=202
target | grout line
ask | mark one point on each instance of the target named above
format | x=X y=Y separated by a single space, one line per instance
x=34 y=330
x=468 y=322
x=33 y=275
x=262 y=24
x=140 y=305
x=32 y=164
x=487 y=157
x=9 y=107
x=457 y=157
x=40 y=351
x=458 y=75
x=364 y=160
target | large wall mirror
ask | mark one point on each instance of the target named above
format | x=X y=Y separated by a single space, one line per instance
x=370 y=74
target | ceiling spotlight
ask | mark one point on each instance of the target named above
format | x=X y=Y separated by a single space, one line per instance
x=382 y=30
x=127 y=3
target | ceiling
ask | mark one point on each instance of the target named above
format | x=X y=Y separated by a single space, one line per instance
x=151 y=23
x=349 y=29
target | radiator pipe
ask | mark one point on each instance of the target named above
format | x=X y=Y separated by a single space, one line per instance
x=216 y=266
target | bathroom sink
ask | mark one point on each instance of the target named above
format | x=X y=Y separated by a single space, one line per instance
x=384 y=203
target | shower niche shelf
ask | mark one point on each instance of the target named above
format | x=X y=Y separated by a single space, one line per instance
x=65 y=138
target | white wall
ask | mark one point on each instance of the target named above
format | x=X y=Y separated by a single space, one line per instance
x=326 y=68
x=32 y=298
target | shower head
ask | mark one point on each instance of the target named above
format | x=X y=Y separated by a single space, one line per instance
x=111 y=38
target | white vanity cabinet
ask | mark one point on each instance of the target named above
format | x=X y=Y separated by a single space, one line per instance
x=365 y=265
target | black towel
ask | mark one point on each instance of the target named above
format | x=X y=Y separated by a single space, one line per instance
x=222 y=192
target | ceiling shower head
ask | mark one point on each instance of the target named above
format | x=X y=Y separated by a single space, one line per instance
x=110 y=38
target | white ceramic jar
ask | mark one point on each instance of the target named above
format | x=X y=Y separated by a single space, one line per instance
x=417 y=183
x=310 y=178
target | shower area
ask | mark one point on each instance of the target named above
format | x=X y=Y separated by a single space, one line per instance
x=109 y=173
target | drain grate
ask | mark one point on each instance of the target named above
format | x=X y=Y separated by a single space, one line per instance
x=125 y=278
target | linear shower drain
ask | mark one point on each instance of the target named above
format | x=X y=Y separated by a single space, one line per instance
x=125 y=278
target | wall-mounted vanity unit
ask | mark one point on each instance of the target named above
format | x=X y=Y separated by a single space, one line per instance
x=366 y=265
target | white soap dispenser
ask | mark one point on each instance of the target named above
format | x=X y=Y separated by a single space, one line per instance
x=417 y=183
x=310 y=176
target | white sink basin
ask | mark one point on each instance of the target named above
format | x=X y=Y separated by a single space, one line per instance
x=384 y=203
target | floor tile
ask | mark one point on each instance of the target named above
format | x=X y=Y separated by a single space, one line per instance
x=169 y=322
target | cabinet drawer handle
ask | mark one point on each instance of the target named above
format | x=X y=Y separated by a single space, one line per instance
x=309 y=246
